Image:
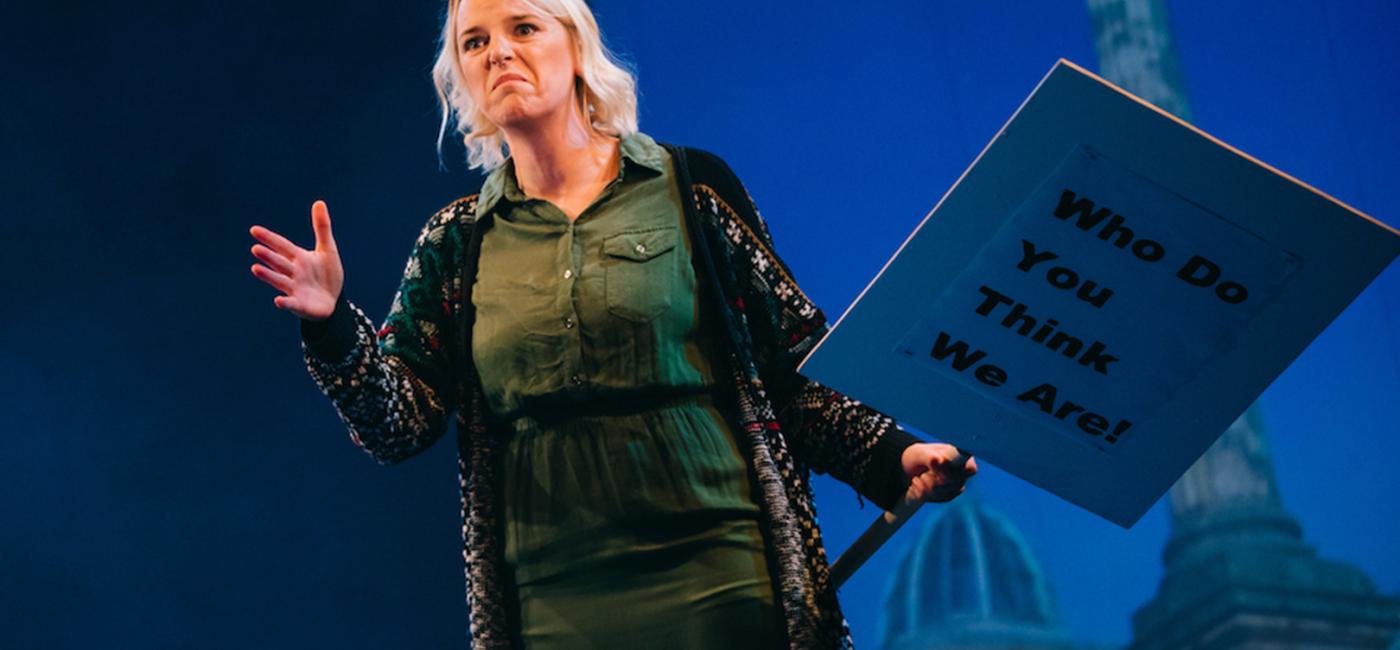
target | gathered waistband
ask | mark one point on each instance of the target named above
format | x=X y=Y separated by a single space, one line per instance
x=555 y=410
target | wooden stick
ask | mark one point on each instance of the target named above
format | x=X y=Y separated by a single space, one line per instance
x=878 y=533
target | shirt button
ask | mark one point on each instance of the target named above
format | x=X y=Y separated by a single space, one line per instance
x=568 y=322
x=568 y=273
x=641 y=248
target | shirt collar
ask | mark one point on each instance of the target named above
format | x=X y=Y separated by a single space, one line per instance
x=638 y=148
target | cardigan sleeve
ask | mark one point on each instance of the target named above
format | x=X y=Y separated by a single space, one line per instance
x=827 y=430
x=395 y=387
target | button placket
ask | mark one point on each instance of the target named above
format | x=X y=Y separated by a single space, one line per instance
x=571 y=261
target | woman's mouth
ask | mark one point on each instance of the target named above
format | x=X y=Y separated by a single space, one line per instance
x=509 y=76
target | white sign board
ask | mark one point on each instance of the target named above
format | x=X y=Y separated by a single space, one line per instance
x=1099 y=296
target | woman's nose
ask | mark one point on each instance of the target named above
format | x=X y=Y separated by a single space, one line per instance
x=499 y=50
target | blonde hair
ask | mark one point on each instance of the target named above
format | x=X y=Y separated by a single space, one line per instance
x=606 y=91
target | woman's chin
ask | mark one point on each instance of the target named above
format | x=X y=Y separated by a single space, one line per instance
x=512 y=113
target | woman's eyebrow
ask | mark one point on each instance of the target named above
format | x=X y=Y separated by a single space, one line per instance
x=514 y=19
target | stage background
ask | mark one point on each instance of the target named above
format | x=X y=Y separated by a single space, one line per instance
x=169 y=475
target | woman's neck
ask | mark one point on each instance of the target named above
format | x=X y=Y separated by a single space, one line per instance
x=560 y=156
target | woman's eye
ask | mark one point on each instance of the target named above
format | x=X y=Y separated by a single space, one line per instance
x=472 y=43
x=525 y=29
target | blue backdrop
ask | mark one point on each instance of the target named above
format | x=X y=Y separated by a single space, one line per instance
x=170 y=477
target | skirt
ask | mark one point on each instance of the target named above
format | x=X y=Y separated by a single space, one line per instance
x=637 y=529
x=701 y=596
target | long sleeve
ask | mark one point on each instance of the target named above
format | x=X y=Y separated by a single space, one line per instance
x=396 y=387
x=828 y=431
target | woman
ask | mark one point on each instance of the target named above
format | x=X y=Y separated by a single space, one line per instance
x=618 y=340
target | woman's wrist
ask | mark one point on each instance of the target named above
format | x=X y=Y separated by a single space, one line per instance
x=333 y=337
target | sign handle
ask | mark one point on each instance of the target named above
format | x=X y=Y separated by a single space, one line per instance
x=878 y=533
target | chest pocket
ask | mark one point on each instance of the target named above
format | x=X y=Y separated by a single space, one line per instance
x=640 y=272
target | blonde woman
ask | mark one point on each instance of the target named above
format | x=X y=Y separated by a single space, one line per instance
x=617 y=339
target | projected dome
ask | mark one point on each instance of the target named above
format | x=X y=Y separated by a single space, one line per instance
x=970 y=581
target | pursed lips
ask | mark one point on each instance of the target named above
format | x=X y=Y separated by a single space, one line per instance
x=509 y=76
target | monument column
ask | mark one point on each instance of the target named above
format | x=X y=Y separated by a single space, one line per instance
x=1237 y=573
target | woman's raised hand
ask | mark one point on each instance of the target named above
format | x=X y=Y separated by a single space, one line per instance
x=311 y=279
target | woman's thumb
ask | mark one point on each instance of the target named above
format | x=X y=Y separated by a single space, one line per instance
x=321 y=224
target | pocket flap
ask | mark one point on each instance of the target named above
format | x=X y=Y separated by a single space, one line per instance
x=641 y=245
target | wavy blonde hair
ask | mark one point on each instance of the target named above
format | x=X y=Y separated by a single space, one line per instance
x=606 y=91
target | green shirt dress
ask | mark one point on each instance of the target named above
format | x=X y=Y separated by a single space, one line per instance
x=629 y=517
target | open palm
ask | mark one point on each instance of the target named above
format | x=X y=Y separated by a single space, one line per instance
x=310 y=279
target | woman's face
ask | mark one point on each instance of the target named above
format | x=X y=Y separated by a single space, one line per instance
x=519 y=64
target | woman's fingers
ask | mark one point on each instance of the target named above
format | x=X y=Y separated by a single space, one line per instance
x=943 y=480
x=310 y=279
x=277 y=280
x=275 y=241
x=938 y=490
x=926 y=488
x=287 y=303
x=321 y=224
x=273 y=260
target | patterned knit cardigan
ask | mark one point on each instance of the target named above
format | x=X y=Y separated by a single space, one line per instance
x=395 y=388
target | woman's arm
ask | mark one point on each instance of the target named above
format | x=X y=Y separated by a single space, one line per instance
x=396 y=387
x=828 y=431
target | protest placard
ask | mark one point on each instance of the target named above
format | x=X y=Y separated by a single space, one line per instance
x=1099 y=295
